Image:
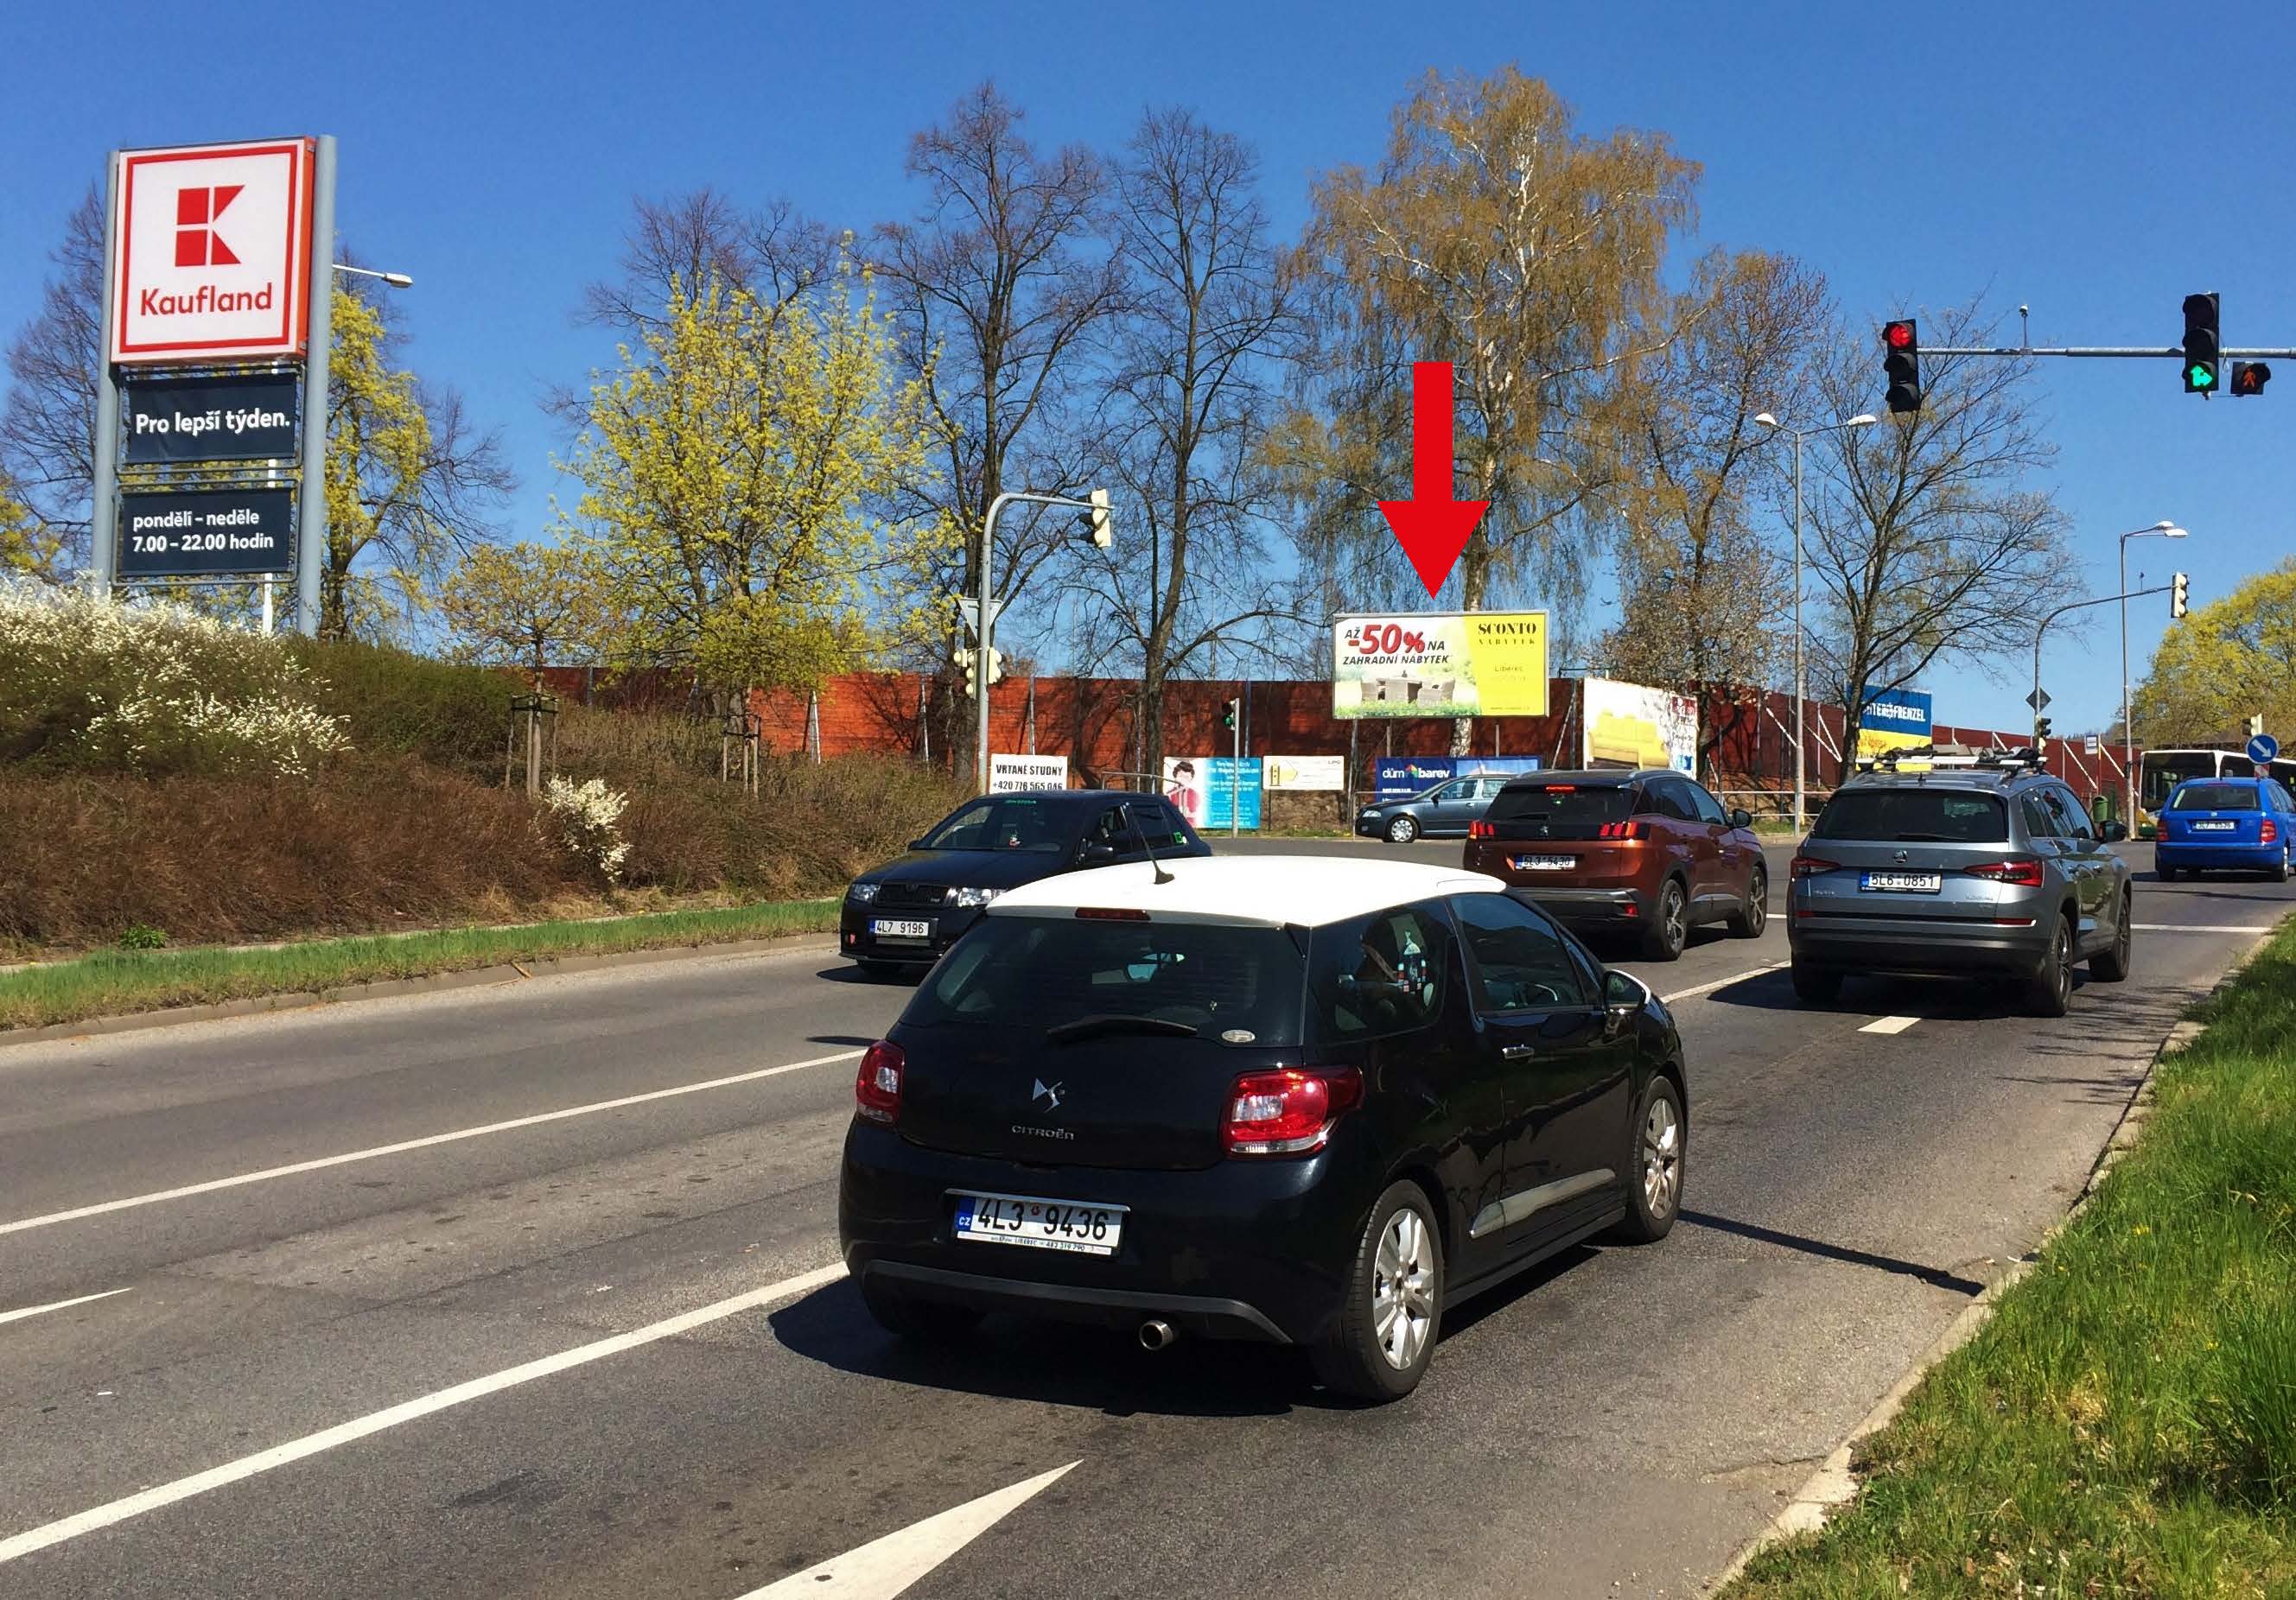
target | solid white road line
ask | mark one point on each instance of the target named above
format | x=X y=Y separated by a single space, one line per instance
x=1693 y=993
x=33 y=1311
x=883 y=1568
x=1888 y=1025
x=424 y=1143
x=2201 y=928
x=312 y=1444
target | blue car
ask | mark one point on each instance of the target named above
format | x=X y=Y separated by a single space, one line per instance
x=2232 y=824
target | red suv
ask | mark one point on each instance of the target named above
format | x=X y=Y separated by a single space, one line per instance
x=1648 y=853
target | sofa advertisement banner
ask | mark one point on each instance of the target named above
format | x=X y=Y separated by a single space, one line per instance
x=1431 y=664
x=1634 y=725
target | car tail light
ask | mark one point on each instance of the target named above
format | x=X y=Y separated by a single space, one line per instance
x=1810 y=866
x=1288 y=1112
x=877 y=1086
x=1484 y=830
x=1623 y=830
x=2271 y=834
x=2024 y=875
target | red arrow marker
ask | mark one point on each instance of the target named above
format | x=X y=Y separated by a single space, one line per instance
x=1431 y=526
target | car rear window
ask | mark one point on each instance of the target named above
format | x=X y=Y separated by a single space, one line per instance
x=1947 y=816
x=1040 y=972
x=2215 y=796
x=1566 y=803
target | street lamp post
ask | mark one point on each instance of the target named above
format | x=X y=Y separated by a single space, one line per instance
x=1097 y=504
x=2164 y=529
x=1863 y=419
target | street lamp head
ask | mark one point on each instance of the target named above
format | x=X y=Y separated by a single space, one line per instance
x=1866 y=419
x=400 y=279
x=2170 y=530
x=1766 y=420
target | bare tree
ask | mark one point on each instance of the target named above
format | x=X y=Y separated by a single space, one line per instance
x=1703 y=596
x=1000 y=281
x=771 y=255
x=1497 y=237
x=1927 y=543
x=48 y=428
x=1189 y=398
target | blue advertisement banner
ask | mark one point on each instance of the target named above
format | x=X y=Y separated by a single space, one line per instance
x=1223 y=795
x=1898 y=711
x=1394 y=777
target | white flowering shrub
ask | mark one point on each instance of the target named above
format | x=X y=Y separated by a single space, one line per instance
x=585 y=815
x=151 y=690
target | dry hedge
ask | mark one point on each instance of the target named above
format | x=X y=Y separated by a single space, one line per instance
x=362 y=846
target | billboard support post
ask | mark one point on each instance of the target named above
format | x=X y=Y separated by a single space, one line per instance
x=103 y=518
x=311 y=507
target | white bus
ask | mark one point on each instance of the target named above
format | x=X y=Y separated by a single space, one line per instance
x=2160 y=771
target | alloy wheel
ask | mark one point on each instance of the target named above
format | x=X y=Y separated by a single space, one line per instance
x=2065 y=961
x=1758 y=902
x=1662 y=1158
x=1402 y=1291
x=1675 y=910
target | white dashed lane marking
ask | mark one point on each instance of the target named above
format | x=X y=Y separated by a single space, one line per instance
x=1888 y=1025
x=2201 y=928
x=55 y=1305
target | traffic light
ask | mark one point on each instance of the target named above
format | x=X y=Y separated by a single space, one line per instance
x=2176 y=595
x=995 y=667
x=2250 y=377
x=2256 y=725
x=1102 y=534
x=2200 y=345
x=2041 y=736
x=969 y=661
x=1229 y=712
x=1901 y=365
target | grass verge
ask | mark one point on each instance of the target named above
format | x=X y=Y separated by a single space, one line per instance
x=113 y=983
x=2126 y=1422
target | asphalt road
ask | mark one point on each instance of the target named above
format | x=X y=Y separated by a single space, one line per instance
x=593 y=1341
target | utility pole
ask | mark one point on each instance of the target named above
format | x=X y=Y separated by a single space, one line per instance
x=103 y=524
x=1096 y=506
x=311 y=498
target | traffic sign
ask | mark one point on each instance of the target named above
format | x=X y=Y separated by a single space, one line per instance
x=2039 y=699
x=2089 y=745
x=2262 y=748
x=969 y=609
x=211 y=252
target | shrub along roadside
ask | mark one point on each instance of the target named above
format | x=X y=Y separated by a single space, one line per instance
x=2126 y=1422
x=114 y=983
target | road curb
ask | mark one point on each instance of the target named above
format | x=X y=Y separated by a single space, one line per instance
x=1835 y=1484
x=468 y=978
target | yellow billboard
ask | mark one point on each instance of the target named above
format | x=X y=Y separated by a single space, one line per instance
x=1439 y=663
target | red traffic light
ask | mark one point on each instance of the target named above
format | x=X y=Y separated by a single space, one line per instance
x=2250 y=377
x=1897 y=336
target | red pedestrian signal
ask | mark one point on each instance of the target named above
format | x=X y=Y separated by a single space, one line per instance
x=2250 y=377
x=1901 y=366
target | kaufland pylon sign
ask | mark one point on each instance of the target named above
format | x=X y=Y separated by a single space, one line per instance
x=212 y=253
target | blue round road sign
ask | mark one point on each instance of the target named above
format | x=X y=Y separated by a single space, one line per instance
x=2263 y=747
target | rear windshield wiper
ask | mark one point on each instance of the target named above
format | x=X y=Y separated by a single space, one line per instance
x=1115 y=1022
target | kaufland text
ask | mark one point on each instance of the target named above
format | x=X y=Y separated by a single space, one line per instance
x=206 y=298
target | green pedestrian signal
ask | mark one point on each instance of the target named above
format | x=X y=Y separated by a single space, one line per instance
x=2201 y=350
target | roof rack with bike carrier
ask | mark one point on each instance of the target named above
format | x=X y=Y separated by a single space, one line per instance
x=2027 y=758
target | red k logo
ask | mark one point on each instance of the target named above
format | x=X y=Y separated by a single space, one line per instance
x=197 y=243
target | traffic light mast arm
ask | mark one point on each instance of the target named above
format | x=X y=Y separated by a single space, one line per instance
x=2040 y=632
x=2148 y=351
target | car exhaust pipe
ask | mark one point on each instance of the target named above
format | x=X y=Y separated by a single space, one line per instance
x=1156 y=1334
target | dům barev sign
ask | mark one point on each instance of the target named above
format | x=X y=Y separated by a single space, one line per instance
x=206 y=532
x=232 y=418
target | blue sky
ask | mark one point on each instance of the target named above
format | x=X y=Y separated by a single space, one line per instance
x=2098 y=160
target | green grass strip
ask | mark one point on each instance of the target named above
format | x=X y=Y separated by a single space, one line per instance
x=2126 y=1422
x=113 y=983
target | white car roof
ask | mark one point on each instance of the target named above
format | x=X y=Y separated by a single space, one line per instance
x=1263 y=890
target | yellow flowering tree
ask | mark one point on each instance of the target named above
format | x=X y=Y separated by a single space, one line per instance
x=519 y=604
x=409 y=487
x=737 y=473
x=27 y=546
x=2223 y=664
